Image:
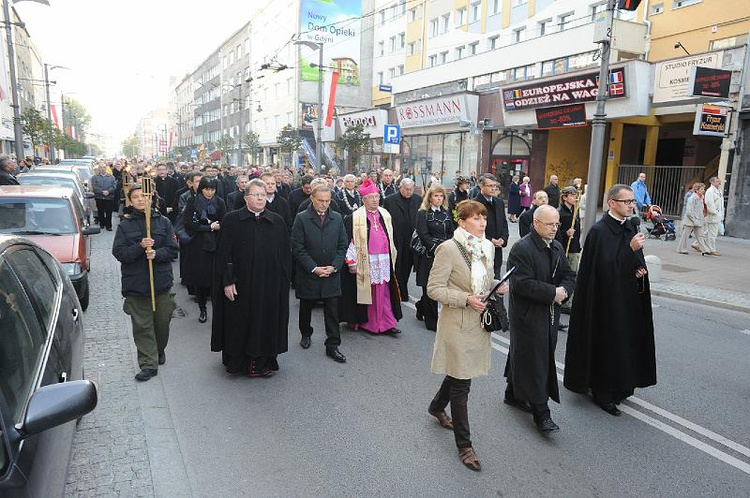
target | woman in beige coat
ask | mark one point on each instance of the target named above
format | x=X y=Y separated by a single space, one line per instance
x=461 y=275
x=693 y=222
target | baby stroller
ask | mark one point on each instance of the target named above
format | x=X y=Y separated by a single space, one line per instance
x=662 y=227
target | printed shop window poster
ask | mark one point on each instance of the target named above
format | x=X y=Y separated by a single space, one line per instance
x=337 y=25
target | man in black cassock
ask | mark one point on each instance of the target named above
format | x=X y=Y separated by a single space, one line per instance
x=403 y=206
x=251 y=287
x=299 y=195
x=275 y=202
x=610 y=346
x=541 y=282
x=526 y=218
x=497 y=225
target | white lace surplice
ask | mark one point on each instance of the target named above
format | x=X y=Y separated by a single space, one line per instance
x=380 y=265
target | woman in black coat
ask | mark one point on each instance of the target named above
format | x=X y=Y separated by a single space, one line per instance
x=201 y=217
x=514 y=199
x=434 y=226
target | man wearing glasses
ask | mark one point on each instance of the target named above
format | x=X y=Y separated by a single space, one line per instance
x=497 y=224
x=610 y=346
x=540 y=284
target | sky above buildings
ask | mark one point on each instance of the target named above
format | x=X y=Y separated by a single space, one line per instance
x=121 y=54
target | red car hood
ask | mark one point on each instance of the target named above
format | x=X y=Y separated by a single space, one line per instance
x=63 y=247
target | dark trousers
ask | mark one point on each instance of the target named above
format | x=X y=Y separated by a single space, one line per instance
x=404 y=264
x=150 y=329
x=202 y=294
x=104 y=209
x=429 y=310
x=330 y=317
x=498 y=262
x=455 y=391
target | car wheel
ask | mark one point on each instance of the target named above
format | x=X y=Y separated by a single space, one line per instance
x=85 y=296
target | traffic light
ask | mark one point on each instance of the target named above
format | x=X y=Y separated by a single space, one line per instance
x=628 y=4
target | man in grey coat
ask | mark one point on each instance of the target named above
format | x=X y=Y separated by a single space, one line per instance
x=541 y=282
x=319 y=246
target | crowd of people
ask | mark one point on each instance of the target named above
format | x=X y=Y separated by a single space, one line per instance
x=246 y=237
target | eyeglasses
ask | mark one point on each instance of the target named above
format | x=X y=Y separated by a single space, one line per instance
x=258 y=196
x=550 y=224
x=627 y=202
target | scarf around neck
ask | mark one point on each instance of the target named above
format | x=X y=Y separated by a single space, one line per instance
x=478 y=249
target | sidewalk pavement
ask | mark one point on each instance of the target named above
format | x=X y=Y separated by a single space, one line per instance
x=721 y=281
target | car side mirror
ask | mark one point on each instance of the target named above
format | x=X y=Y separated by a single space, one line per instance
x=54 y=405
x=89 y=195
x=91 y=230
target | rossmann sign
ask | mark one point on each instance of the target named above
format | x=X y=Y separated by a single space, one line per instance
x=371 y=122
x=570 y=90
x=448 y=110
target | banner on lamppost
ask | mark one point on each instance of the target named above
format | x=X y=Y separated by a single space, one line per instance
x=337 y=26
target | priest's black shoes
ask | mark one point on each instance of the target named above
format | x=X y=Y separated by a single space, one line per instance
x=545 y=424
x=511 y=400
x=203 y=317
x=335 y=355
x=610 y=408
x=162 y=358
x=305 y=342
x=145 y=374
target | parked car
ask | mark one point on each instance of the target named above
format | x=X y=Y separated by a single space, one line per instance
x=90 y=203
x=54 y=218
x=59 y=179
x=42 y=386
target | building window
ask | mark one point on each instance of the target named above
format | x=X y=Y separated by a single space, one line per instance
x=496 y=6
x=443 y=57
x=289 y=85
x=446 y=21
x=678 y=4
x=596 y=10
x=432 y=61
x=565 y=21
x=381 y=15
x=547 y=68
x=415 y=13
x=381 y=48
x=276 y=90
x=657 y=9
x=380 y=78
x=492 y=42
x=391 y=73
x=476 y=11
x=402 y=8
x=461 y=16
x=392 y=43
x=516 y=3
x=460 y=52
x=731 y=42
x=545 y=27
x=434 y=27
x=473 y=48
x=401 y=40
x=400 y=70
x=519 y=35
x=288 y=118
x=411 y=48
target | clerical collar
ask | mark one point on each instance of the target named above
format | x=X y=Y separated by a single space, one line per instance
x=371 y=212
x=256 y=213
x=435 y=208
x=620 y=221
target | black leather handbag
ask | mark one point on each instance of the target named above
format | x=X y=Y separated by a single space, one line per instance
x=416 y=244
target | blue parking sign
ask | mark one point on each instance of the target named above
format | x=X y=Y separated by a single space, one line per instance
x=392 y=134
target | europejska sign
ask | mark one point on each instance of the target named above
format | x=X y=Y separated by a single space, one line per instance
x=570 y=90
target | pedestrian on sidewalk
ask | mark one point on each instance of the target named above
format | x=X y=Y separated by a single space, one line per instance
x=319 y=246
x=640 y=193
x=133 y=250
x=104 y=186
x=251 y=287
x=553 y=191
x=610 y=348
x=540 y=285
x=715 y=218
x=526 y=218
x=461 y=276
x=693 y=222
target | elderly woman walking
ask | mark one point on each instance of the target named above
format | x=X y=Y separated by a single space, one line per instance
x=461 y=276
x=693 y=222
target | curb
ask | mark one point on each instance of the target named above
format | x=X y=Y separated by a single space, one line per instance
x=700 y=300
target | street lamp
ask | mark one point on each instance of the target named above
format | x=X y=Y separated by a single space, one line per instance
x=319 y=48
x=52 y=147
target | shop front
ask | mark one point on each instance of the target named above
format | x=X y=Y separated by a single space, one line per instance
x=440 y=138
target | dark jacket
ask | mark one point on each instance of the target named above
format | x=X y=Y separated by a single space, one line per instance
x=453 y=199
x=296 y=197
x=433 y=228
x=167 y=188
x=132 y=257
x=514 y=198
x=236 y=200
x=386 y=191
x=7 y=178
x=566 y=219
x=280 y=206
x=316 y=245
x=497 y=224
x=525 y=221
x=199 y=254
x=345 y=200
x=403 y=218
x=533 y=335
x=553 y=193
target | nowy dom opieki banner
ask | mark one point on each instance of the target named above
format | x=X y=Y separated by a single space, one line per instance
x=337 y=25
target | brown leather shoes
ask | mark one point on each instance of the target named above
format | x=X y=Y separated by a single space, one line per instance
x=442 y=418
x=469 y=458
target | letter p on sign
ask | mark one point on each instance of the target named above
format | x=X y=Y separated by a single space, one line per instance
x=392 y=134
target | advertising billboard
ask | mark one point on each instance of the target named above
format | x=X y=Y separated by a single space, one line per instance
x=337 y=26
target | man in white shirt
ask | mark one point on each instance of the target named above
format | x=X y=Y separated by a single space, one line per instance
x=715 y=205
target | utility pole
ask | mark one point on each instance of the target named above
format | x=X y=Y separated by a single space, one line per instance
x=17 y=130
x=49 y=116
x=240 y=161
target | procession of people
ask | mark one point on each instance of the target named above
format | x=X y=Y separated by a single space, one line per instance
x=247 y=238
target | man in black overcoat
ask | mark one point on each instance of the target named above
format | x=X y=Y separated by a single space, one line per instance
x=275 y=202
x=610 y=347
x=236 y=198
x=251 y=287
x=403 y=207
x=569 y=234
x=524 y=221
x=319 y=246
x=299 y=195
x=541 y=282
x=167 y=188
x=497 y=224
x=553 y=191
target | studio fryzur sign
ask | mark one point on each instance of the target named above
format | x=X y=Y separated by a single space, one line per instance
x=569 y=90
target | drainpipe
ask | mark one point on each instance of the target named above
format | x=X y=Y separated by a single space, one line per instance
x=648 y=28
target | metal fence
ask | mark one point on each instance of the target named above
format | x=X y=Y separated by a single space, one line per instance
x=666 y=184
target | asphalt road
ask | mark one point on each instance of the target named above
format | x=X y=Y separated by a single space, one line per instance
x=318 y=428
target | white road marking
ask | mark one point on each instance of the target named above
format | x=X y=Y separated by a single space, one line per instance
x=746 y=332
x=667 y=429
